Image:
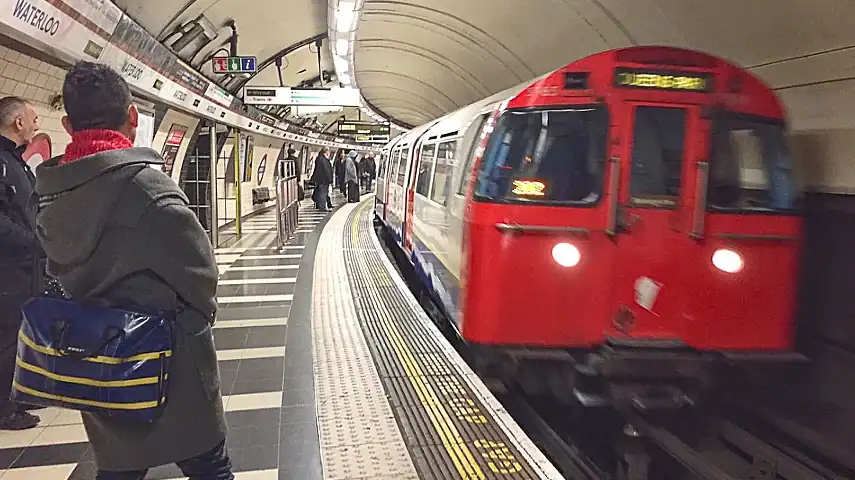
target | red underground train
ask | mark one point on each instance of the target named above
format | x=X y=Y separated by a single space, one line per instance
x=618 y=229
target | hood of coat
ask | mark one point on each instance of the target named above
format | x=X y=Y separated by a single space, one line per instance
x=76 y=199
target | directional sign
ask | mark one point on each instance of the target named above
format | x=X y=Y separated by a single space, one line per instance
x=234 y=64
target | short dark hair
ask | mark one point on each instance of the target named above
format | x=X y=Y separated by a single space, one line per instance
x=9 y=109
x=95 y=97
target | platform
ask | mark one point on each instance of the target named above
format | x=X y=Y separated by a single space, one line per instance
x=330 y=370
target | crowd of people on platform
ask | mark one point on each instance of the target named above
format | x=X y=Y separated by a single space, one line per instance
x=351 y=173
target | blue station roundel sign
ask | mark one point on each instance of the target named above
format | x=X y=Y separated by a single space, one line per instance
x=262 y=166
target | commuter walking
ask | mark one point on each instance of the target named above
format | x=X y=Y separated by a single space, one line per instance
x=351 y=177
x=20 y=253
x=116 y=231
x=322 y=177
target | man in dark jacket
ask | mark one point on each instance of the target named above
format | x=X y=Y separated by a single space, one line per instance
x=19 y=247
x=322 y=177
x=116 y=230
x=368 y=170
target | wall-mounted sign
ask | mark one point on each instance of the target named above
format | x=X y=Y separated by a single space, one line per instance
x=335 y=96
x=145 y=130
x=234 y=64
x=170 y=148
x=350 y=128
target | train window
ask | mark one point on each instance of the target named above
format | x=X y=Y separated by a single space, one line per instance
x=425 y=169
x=657 y=156
x=751 y=168
x=472 y=139
x=402 y=166
x=546 y=156
x=442 y=171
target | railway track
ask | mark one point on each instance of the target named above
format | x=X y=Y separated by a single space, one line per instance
x=631 y=444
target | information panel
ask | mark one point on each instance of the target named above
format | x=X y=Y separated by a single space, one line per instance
x=234 y=64
x=663 y=80
x=336 y=96
x=364 y=132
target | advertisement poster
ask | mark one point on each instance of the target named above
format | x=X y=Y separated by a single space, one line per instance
x=262 y=166
x=38 y=150
x=247 y=166
x=170 y=148
x=145 y=130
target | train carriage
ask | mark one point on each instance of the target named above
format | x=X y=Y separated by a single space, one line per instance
x=633 y=213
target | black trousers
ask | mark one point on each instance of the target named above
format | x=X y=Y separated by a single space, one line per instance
x=213 y=465
x=10 y=323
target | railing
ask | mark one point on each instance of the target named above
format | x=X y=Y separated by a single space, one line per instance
x=287 y=204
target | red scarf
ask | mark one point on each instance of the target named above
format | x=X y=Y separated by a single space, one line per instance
x=90 y=142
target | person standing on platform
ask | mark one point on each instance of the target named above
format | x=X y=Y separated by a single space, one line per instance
x=351 y=177
x=338 y=171
x=20 y=253
x=117 y=231
x=369 y=170
x=322 y=177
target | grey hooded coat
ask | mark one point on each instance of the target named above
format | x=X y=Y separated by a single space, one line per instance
x=115 y=229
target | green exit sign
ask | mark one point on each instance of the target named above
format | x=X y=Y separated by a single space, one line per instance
x=234 y=64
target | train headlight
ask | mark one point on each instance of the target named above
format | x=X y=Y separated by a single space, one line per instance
x=727 y=260
x=566 y=255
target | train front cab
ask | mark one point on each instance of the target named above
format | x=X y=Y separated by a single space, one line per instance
x=654 y=226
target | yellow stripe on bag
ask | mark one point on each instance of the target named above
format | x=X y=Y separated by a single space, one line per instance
x=85 y=381
x=107 y=360
x=90 y=403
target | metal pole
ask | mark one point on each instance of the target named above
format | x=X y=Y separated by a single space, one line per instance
x=212 y=189
x=237 y=182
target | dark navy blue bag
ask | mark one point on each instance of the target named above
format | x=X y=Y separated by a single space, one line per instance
x=104 y=360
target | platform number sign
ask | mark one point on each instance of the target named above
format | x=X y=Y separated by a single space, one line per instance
x=234 y=64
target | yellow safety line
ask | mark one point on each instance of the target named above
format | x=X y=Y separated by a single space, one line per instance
x=86 y=381
x=91 y=403
x=108 y=360
x=463 y=459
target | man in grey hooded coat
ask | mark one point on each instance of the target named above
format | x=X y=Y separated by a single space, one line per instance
x=115 y=229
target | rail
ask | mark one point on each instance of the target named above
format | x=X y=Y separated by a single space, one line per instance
x=287 y=202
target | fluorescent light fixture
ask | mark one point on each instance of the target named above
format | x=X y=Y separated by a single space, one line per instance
x=340 y=64
x=345 y=17
x=341 y=46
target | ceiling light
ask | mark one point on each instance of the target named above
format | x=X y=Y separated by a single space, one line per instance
x=341 y=46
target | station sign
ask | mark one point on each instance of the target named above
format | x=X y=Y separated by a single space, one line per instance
x=224 y=65
x=335 y=96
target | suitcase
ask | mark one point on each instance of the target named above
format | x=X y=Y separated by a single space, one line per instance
x=352 y=192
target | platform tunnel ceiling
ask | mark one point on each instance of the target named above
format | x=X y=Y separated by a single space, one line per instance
x=418 y=59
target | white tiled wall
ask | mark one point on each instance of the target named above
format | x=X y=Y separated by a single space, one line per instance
x=36 y=81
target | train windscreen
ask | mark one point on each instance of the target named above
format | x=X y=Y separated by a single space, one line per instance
x=545 y=156
x=751 y=169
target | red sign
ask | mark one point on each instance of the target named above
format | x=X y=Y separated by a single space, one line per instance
x=221 y=64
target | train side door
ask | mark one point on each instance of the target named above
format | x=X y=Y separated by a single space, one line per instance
x=655 y=183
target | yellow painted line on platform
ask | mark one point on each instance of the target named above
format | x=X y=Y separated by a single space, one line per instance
x=454 y=444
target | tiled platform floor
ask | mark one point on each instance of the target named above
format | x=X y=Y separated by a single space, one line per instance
x=267 y=418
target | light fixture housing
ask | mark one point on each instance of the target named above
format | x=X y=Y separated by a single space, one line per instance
x=342 y=25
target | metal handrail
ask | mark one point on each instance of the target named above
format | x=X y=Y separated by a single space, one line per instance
x=287 y=205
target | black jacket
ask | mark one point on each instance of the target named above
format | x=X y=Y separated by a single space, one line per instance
x=19 y=247
x=323 y=174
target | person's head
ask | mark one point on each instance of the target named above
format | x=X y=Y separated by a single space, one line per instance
x=96 y=97
x=19 y=121
x=325 y=151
